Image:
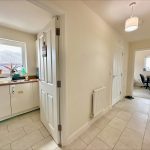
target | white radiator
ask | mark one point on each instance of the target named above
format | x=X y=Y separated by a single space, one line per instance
x=98 y=101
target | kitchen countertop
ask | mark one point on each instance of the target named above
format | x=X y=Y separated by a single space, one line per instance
x=17 y=82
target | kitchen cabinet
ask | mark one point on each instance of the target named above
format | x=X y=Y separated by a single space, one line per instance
x=21 y=97
x=18 y=98
x=36 y=98
x=5 y=104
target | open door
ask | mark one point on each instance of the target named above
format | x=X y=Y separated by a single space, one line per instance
x=49 y=78
x=117 y=76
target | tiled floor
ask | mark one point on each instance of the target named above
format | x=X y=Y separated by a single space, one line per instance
x=125 y=127
x=25 y=132
x=141 y=92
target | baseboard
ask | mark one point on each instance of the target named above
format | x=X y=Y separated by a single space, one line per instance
x=82 y=129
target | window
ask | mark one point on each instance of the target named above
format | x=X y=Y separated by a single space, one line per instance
x=147 y=64
x=12 y=54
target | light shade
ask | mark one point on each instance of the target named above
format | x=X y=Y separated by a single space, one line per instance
x=131 y=24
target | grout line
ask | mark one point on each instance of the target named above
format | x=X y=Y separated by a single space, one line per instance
x=96 y=136
x=10 y=146
x=144 y=132
x=122 y=132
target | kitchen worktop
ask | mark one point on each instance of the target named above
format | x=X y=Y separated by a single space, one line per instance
x=18 y=82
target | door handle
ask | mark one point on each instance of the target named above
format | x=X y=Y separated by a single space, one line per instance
x=13 y=90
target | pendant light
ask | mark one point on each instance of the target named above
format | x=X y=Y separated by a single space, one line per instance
x=131 y=23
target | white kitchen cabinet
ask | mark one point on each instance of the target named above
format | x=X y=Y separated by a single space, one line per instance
x=5 y=105
x=35 y=88
x=21 y=97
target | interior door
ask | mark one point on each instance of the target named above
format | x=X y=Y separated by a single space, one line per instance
x=48 y=74
x=117 y=76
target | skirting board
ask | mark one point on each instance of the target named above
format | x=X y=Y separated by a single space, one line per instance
x=81 y=130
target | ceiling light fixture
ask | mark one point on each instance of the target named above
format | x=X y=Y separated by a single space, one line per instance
x=131 y=23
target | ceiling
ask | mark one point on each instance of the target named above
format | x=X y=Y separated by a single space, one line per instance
x=115 y=12
x=23 y=15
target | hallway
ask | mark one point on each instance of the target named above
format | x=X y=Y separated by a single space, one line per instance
x=125 y=127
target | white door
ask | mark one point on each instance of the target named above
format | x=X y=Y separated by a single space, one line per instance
x=117 y=76
x=49 y=93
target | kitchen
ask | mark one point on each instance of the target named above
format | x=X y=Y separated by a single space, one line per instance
x=25 y=47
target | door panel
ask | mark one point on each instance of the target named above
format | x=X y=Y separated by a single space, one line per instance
x=49 y=59
x=48 y=81
x=117 y=76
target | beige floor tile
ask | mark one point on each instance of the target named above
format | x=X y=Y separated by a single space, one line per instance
x=10 y=121
x=90 y=134
x=97 y=144
x=19 y=124
x=44 y=132
x=112 y=113
x=109 y=136
x=29 y=148
x=34 y=115
x=146 y=139
x=11 y=136
x=33 y=126
x=138 y=125
x=27 y=141
x=102 y=122
x=76 y=145
x=46 y=144
x=3 y=129
x=119 y=104
x=146 y=146
x=121 y=146
x=140 y=116
x=117 y=123
x=126 y=116
x=6 y=147
x=129 y=140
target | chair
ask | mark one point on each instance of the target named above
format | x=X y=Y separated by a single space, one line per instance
x=145 y=82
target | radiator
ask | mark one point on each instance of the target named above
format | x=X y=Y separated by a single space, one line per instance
x=98 y=101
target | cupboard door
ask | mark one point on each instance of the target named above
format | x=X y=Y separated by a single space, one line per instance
x=21 y=97
x=35 y=88
x=5 y=108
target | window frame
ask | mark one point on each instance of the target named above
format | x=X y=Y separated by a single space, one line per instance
x=17 y=44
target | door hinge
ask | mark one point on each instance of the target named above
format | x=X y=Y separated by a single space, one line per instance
x=58 y=84
x=59 y=127
x=58 y=31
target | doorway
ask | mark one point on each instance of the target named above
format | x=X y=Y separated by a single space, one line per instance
x=48 y=50
x=141 y=84
x=26 y=20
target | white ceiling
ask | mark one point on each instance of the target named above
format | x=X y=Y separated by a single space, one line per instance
x=23 y=15
x=115 y=12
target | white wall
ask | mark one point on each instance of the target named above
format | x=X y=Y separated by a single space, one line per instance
x=89 y=46
x=139 y=65
x=29 y=39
